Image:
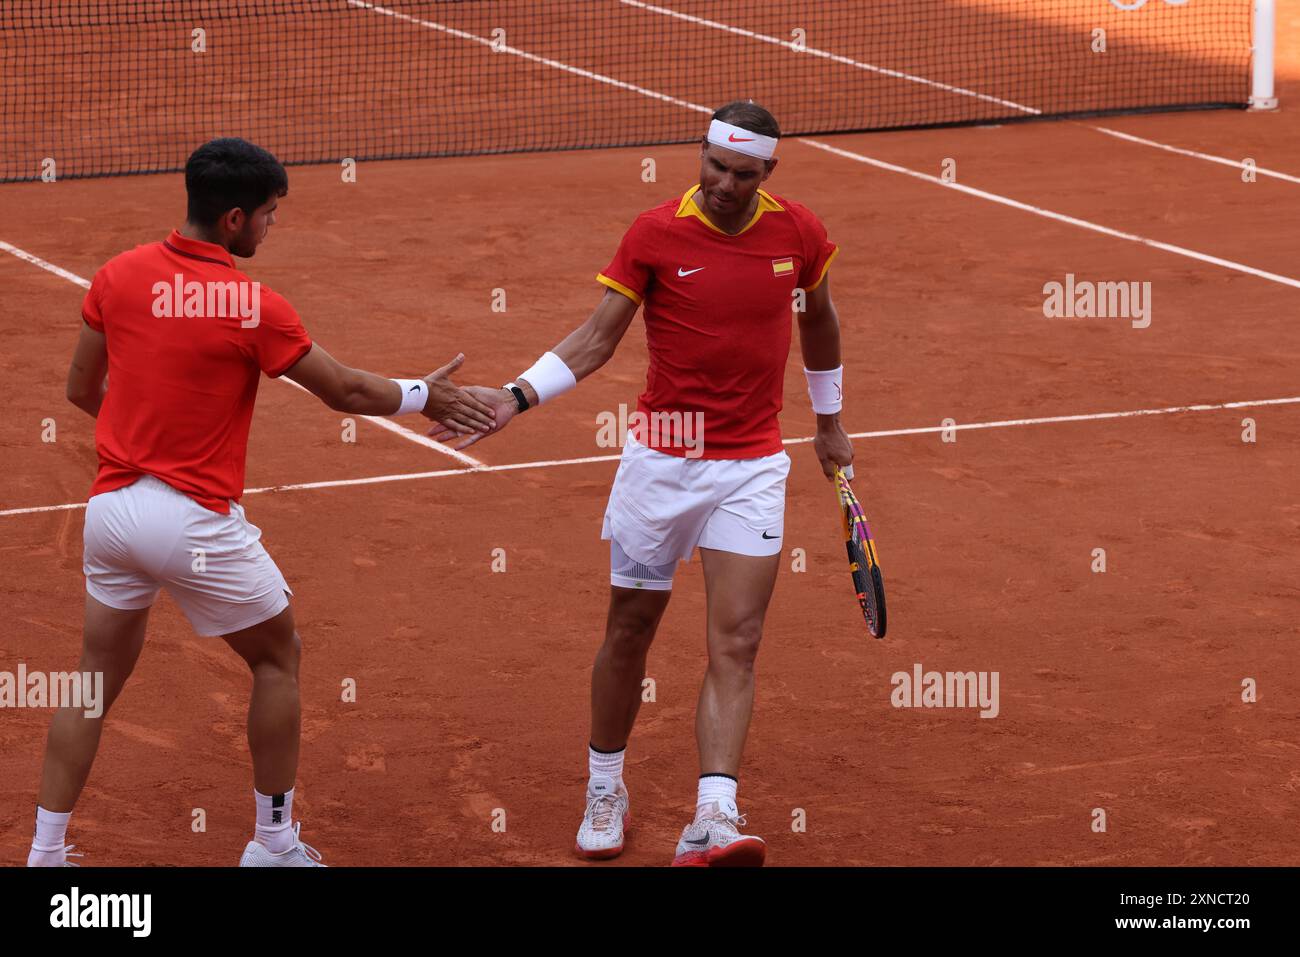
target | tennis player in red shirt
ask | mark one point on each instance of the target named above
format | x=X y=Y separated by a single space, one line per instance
x=174 y=343
x=718 y=271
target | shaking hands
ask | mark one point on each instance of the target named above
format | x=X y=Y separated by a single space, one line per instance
x=455 y=411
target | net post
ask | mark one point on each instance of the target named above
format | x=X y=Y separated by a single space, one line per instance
x=1262 y=96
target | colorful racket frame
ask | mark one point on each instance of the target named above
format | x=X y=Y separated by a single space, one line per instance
x=868 y=583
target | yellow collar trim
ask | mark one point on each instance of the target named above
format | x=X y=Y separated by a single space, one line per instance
x=687 y=207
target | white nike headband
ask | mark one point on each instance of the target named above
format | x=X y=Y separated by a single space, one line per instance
x=741 y=140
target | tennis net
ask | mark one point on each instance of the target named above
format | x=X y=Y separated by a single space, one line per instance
x=103 y=87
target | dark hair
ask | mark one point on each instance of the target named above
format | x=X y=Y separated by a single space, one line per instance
x=748 y=115
x=226 y=173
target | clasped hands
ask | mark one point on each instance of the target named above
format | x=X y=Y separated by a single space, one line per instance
x=470 y=412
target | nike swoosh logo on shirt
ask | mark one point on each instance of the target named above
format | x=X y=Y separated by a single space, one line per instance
x=765 y=535
x=687 y=272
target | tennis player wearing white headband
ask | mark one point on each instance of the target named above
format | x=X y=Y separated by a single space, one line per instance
x=718 y=270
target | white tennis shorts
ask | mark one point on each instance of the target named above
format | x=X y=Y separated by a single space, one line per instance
x=148 y=536
x=663 y=506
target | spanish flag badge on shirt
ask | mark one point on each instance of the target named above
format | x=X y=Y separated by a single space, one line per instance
x=783 y=267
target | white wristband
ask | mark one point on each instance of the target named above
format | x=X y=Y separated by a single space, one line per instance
x=826 y=389
x=549 y=377
x=415 y=393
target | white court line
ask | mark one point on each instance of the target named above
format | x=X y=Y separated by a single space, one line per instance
x=524 y=54
x=835 y=57
x=1055 y=419
x=1209 y=158
x=886 y=433
x=858 y=157
x=408 y=434
x=383 y=423
x=59 y=271
x=948 y=88
x=1059 y=217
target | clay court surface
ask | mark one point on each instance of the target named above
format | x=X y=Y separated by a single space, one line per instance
x=1119 y=691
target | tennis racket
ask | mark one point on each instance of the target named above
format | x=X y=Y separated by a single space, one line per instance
x=868 y=584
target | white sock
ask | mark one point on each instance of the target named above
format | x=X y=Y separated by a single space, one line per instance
x=275 y=820
x=610 y=765
x=715 y=788
x=49 y=839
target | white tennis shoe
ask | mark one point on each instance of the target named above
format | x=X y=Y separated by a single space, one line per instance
x=300 y=855
x=607 y=818
x=713 y=839
x=55 y=857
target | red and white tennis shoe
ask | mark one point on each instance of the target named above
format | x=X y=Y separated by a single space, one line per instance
x=607 y=818
x=713 y=839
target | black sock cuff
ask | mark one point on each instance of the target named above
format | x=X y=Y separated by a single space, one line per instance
x=601 y=751
x=718 y=774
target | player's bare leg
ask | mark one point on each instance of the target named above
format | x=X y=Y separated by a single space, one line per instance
x=272 y=651
x=738 y=588
x=630 y=627
x=111 y=643
x=634 y=616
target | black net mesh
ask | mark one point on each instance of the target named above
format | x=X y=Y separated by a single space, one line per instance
x=130 y=86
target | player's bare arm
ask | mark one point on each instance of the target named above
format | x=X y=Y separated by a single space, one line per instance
x=88 y=374
x=819 y=339
x=582 y=351
x=345 y=389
